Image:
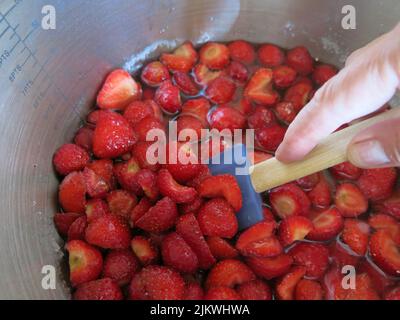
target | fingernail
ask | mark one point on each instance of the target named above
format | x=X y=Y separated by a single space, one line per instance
x=367 y=153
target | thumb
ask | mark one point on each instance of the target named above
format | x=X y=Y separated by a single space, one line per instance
x=377 y=146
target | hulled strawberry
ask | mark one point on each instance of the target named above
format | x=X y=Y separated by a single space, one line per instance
x=308 y=290
x=185 y=83
x=269 y=138
x=286 y=286
x=300 y=59
x=77 y=229
x=170 y=188
x=321 y=195
x=147 y=180
x=327 y=224
x=198 y=107
x=242 y=51
x=137 y=111
x=285 y=112
x=349 y=200
x=63 y=221
x=385 y=252
x=102 y=289
x=71 y=193
x=221 y=249
x=120 y=266
x=269 y=268
x=145 y=250
x=154 y=73
x=69 y=158
x=121 y=202
x=221 y=293
x=294 y=228
x=168 y=97
x=270 y=55
x=226 y=117
x=221 y=90
x=203 y=75
x=299 y=94
x=260 y=117
x=377 y=184
x=345 y=171
x=284 y=76
x=356 y=235
x=182 y=59
x=214 y=55
x=84 y=138
x=322 y=73
x=260 y=90
x=289 y=200
x=254 y=290
x=96 y=186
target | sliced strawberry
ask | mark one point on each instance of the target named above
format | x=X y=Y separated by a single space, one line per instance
x=147 y=180
x=119 y=89
x=198 y=107
x=284 y=76
x=289 y=200
x=186 y=83
x=260 y=117
x=154 y=74
x=160 y=217
x=214 y=55
x=126 y=172
x=221 y=249
x=137 y=111
x=226 y=117
x=177 y=254
x=327 y=224
x=217 y=218
x=71 y=193
x=192 y=207
x=300 y=59
x=109 y=232
x=363 y=291
x=102 y=289
x=144 y=250
x=286 y=286
x=299 y=94
x=322 y=73
x=237 y=72
x=120 y=266
x=346 y=171
x=188 y=228
x=285 y=112
x=221 y=90
x=313 y=256
x=269 y=268
x=377 y=184
x=294 y=228
x=270 y=137
x=193 y=291
x=104 y=169
x=140 y=151
x=379 y=279
x=203 y=75
x=356 y=235
x=157 y=283
x=121 y=202
x=113 y=136
x=341 y=255
x=393 y=294
x=77 y=229
x=321 y=195
x=384 y=222
x=242 y=51
x=350 y=200
x=69 y=158
x=96 y=208
x=390 y=205
x=270 y=55
x=168 y=97
x=308 y=182
x=385 y=252
x=182 y=59
x=254 y=290
x=63 y=221
x=96 y=186
x=260 y=89
x=139 y=210
x=308 y=290
x=170 y=188
x=221 y=293
x=229 y=273
x=85 y=262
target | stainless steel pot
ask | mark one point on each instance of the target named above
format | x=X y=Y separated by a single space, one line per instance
x=48 y=81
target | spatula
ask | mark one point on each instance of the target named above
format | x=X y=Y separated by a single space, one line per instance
x=272 y=173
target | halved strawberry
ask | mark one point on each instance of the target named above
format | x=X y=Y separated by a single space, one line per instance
x=121 y=202
x=104 y=169
x=160 y=217
x=182 y=59
x=84 y=138
x=356 y=235
x=63 y=221
x=214 y=55
x=77 y=229
x=144 y=250
x=168 y=97
x=154 y=73
x=321 y=195
x=285 y=112
x=327 y=224
x=185 y=83
x=308 y=182
x=102 y=289
x=126 y=172
x=198 y=108
x=70 y=157
x=269 y=268
x=299 y=94
x=345 y=171
x=377 y=184
x=157 y=283
x=385 y=252
x=108 y=232
x=96 y=186
x=221 y=249
x=85 y=262
x=170 y=188
x=140 y=151
x=189 y=229
x=384 y=222
x=119 y=89
x=237 y=72
x=260 y=117
x=203 y=75
x=226 y=117
x=308 y=290
x=137 y=111
x=270 y=55
x=120 y=266
x=390 y=205
x=294 y=228
x=300 y=59
x=322 y=73
x=113 y=136
x=177 y=254
x=341 y=255
x=193 y=291
x=147 y=180
x=259 y=241
x=284 y=76
x=221 y=90
x=139 y=210
x=269 y=138
x=313 y=256
x=350 y=200
x=229 y=273
x=242 y=51
x=289 y=200
x=221 y=293
x=71 y=193
x=224 y=185
x=286 y=286
x=254 y=290
x=260 y=88
x=363 y=291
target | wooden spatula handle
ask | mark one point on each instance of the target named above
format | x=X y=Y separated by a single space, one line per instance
x=331 y=151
